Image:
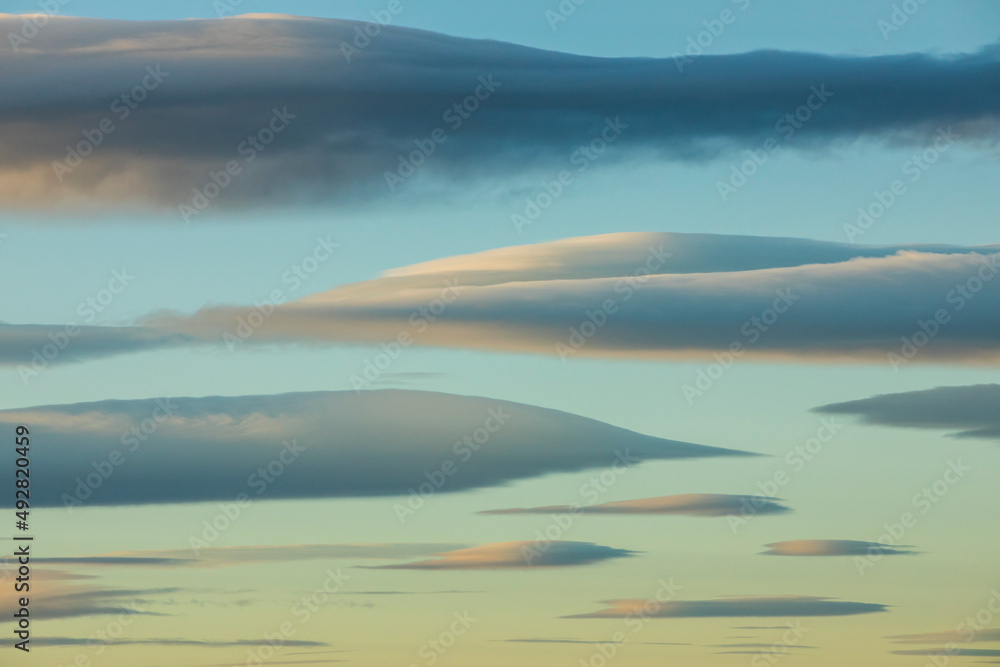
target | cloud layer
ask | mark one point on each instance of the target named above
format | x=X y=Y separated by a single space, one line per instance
x=312 y=445
x=212 y=557
x=690 y=504
x=516 y=555
x=861 y=309
x=833 y=548
x=52 y=598
x=970 y=411
x=788 y=605
x=183 y=98
x=199 y=643
x=644 y=295
x=949 y=636
x=957 y=651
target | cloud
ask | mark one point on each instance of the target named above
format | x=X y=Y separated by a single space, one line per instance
x=212 y=557
x=60 y=601
x=651 y=296
x=788 y=605
x=9 y=566
x=584 y=641
x=844 y=310
x=118 y=561
x=352 y=118
x=759 y=648
x=312 y=445
x=833 y=548
x=691 y=504
x=618 y=254
x=200 y=643
x=949 y=636
x=325 y=661
x=972 y=411
x=752 y=645
x=38 y=346
x=967 y=652
x=444 y=592
x=516 y=555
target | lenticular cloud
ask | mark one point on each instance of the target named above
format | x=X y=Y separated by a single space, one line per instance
x=313 y=445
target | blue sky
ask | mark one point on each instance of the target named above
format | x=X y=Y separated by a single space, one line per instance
x=53 y=260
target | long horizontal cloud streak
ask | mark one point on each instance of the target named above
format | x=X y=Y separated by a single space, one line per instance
x=691 y=504
x=949 y=636
x=215 y=557
x=353 y=119
x=52 y=601
x=821 y=548
x=957 y=651
x=671 y=295
x=200 y=643
x=617 y=254
x=860 y=309
x=790 y=605
x=516 y=555
x=24 y=343
x=312 y=445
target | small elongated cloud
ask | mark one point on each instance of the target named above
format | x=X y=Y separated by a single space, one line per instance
x=52 y=601
x=322 y=661
x=787 y=605
x=971 y=411
x=516 y=555
x=833 y=548
x=755 y=645
x=949 y=637
x=306 y=114
x=620 y=253
x=312 y=445
x=752 y=648
x=200 y=643
x=9 y=565
x=690 y=504
x=956 y=651
x=583 y=641
x=212 y=557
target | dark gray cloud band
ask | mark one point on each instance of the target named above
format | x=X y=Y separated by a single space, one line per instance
x=207 y=86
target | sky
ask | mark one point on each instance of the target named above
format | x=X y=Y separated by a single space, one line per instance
x=688 y=378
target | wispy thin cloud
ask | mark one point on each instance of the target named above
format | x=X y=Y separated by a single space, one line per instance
x=691 y=504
